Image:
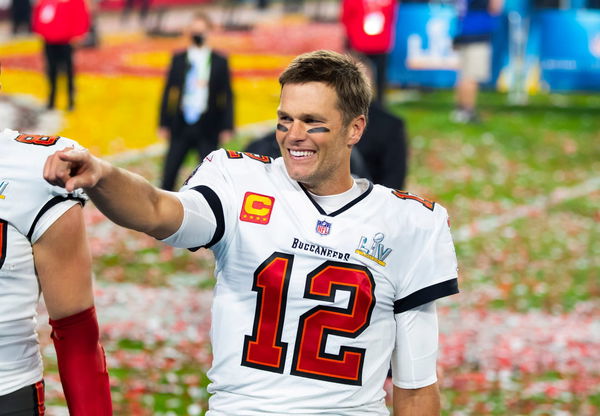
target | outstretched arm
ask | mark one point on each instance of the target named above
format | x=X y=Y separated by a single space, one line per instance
x=63 y=264
x=125 y=198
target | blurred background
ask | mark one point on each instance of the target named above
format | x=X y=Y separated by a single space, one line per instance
x=521 y=183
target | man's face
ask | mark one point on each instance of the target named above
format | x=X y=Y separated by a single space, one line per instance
x=313 y=140
x=198 y=27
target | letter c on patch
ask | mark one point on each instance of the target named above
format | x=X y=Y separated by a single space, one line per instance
x=258 y=204
x=256 y=208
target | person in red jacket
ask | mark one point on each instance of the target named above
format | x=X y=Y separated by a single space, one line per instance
x=370 y=31
x=59 y=22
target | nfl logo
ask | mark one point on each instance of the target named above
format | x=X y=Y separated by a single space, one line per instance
x=323 y=227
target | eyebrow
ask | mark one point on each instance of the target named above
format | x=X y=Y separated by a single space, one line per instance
x=303 y=116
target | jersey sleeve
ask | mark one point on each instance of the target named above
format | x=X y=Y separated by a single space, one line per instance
x=45 y=203
x=433 y=273
x=200 y=225
x=206 y=197
x=415 y=352
x=49 y=216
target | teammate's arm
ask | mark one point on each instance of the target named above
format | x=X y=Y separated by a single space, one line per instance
x=63 y=264
x=424 y=401
x=125 y=198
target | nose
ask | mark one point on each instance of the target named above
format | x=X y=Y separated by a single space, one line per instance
x=297 y=131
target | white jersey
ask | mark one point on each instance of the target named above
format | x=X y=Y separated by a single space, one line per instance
x=28 y=207
x=303 y=317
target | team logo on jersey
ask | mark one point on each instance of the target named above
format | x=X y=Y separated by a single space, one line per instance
x=323 y=227
x=257 y=208
x=374 y=249
x=3 y=185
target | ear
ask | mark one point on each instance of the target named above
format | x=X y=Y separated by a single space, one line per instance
x=356 y=129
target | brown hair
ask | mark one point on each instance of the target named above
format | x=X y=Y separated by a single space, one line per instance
x=341 y=72
x=200 y=15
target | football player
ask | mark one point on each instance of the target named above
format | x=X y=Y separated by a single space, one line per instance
x=43 y=247
x=322 y=279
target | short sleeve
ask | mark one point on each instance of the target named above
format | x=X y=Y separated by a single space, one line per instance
x=202 y=222
x=207 y=197
x=433 y=274
x=49 y=217
x=414 y=357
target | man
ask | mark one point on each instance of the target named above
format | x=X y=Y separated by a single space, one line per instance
x=321 y=279
x=20 y=16
x=59 y=23
x=370 y=31
x=476 y=24
x=197 y=103
x=43 y=245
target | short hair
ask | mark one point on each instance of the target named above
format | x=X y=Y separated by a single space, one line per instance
x=341 y=72
x=200 y=15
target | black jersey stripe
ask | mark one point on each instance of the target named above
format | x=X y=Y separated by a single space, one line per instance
x=217 y=208
x=54 y=201
x=426 y=295
x=3 y=240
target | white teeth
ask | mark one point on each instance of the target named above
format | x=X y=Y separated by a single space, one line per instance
x=301 y=153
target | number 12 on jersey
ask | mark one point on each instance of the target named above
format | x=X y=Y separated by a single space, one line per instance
x=265 y=350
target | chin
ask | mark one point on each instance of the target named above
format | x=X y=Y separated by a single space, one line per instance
x=299 y=175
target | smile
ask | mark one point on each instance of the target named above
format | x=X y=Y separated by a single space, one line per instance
x=301 y=153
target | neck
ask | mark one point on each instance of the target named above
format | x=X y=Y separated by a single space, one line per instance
x=333 y=187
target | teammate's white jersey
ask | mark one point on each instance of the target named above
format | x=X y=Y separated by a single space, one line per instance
x=28 y=207
x=303 y=317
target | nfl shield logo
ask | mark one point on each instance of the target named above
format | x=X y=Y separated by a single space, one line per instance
x=323 y=227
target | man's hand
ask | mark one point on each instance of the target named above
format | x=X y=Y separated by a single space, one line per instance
x=72 y=169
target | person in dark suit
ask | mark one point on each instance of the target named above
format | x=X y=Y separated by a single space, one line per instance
x=380 y=156
x=384 y=147
x=20 y=16
x=197 y=103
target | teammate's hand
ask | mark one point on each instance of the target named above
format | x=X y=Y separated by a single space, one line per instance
x=72 y=169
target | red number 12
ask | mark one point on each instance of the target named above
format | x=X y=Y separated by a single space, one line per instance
x=264 y=349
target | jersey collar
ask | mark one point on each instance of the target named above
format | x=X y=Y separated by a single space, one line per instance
x=342 y=209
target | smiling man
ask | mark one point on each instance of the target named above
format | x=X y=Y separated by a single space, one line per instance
x=322 y=280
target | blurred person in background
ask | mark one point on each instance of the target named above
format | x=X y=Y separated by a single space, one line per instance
x=144 y=6
x=44 y=248
x=370 y=27
x=262 y=4
x=196 y=110
x=322 y=280
x=60 y=23
x=292 y=6
x=477 y=21
x=20 y=16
